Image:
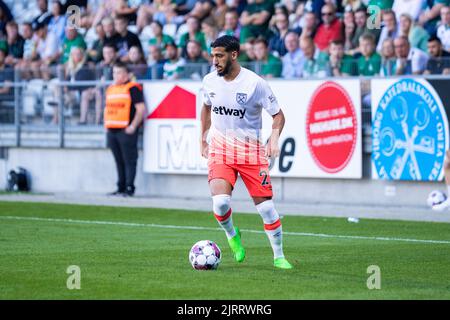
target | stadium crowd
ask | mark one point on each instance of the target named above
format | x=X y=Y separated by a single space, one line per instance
x=170 y=39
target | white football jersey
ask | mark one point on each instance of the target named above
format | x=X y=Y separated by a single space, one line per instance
x=236 y=112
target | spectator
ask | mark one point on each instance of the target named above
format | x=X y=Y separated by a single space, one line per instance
x=411 y=7
x=15 y=43
x=362 y=28
x=387 y=58
x=105 y=10
x=173 y=67
x=95 y=53
x=72 y=39
x=329 y=30
x=271 y=65
x=409 y=60
x=156 y=62
x=137 y=64
x=384 y=5
x=389 y=29
x=231 y=27
x=57 y=21
x=159 y=38
x=293 y=60
x=29 y=51
x=193 y=33
x=255 y=19
x=127 y=9
x=144 y=13
x=439 y=62
x=310 y=25
x=349 y=29
x=369 y=63
x=429 y=18
x=6 y=89
x=276 y=42
x=109 y=53
x=248 y=52
x=194 y=61
x=202 y=9
x=313 y=65
x=417 y=35
x=443 y=31
x=44 y=16
x=76 y=69
x=47 y=49
x=125 y=39
x=210 y=31
x=111 y=36
x=339 y=63
x=218 y=13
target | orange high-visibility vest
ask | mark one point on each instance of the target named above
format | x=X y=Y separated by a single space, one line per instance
x=118 y=105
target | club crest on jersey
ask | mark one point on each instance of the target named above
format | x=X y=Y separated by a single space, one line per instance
x=241 y=98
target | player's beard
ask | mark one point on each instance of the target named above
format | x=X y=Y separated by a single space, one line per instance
x=226 y=69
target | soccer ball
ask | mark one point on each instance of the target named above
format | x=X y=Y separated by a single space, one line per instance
x=205 y=255
x=436 y=197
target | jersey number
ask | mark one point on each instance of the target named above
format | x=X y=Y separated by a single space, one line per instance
x=264 y=174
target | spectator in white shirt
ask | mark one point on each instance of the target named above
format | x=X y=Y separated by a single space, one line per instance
x=409 y=60
x=443 y=31
x=411 y=7
x=390 y=28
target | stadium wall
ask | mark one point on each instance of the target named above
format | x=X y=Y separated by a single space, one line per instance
x=76 y=170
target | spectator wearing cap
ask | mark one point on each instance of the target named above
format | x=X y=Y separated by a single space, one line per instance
x=293 y=60
x=339 y=63
x=255 y=19
x=369 y=63
x=173 y=67
x=57 y=23
x=231 y=26
x=126 y=39
x=329 y=30
x=159 y=38
x=417 y=35
x=443 y=31
x=72 y=39
x=193 y=33
x=390 y=27
x=439 y=62
x=271 y=66
x=15 y=43
x=409 y=60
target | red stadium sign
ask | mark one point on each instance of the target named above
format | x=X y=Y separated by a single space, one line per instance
x=331 y=127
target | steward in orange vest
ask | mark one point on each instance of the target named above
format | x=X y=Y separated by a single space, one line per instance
x=123 y=114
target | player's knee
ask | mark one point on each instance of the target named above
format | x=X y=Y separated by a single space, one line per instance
x=267 y=211
x=221 y=204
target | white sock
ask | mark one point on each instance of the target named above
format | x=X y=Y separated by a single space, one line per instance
x=272 y=226
x=222 y=213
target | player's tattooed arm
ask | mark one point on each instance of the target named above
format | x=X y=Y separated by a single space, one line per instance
x=205 y=119
x=273 y=146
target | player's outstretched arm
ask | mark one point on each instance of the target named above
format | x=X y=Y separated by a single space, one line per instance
x=273 y=147
x=205 y=119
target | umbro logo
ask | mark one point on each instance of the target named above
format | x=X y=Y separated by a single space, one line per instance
x=212 y=94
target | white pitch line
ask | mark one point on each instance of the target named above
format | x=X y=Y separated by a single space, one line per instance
x=166 y=226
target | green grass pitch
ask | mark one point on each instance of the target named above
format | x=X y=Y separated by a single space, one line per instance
x=142 y=255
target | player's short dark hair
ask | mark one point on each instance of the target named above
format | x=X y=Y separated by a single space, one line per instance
x=121 y=65
x=434 y=38
x=230 y=43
